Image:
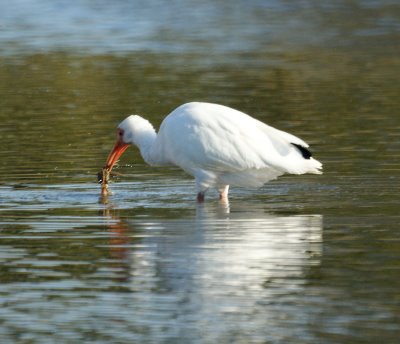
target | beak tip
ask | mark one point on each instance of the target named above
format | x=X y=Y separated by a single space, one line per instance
x=114 y=155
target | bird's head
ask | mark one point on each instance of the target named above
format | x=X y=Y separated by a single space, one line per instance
x=129 y=131
x=124 y=139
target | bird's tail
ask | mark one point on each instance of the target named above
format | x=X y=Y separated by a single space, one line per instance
x=315 y=166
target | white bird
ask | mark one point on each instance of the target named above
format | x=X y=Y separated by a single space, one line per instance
x=217 y=145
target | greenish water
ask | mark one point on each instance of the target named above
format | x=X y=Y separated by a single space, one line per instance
x=304 y=259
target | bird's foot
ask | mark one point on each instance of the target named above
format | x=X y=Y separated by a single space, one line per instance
x=223 y=194
x=223 y=198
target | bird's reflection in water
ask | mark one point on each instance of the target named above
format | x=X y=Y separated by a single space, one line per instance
x=120 y=241
x=232 y=252
x=218 y=251
x=226 y=265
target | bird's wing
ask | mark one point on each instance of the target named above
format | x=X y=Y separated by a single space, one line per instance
x=220 y=139
x=246 y=143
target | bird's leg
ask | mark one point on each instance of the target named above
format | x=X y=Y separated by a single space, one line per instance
x=200 y=197
x=201 y=187
x=223 y=193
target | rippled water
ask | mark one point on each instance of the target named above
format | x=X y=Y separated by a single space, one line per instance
x=304 y=259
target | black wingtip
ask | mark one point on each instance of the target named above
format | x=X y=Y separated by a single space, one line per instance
x=303 y=150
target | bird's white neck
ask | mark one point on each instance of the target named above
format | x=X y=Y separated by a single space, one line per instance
x=145 y=142
x=143 y=135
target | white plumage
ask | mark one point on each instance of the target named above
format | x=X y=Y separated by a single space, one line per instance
x=217 y=145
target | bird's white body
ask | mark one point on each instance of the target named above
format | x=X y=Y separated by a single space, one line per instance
x=219 y=146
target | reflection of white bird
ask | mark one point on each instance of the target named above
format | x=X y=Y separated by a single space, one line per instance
x=233 y=274
x=217 y=145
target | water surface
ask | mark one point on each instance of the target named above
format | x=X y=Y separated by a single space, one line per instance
x=304 y=259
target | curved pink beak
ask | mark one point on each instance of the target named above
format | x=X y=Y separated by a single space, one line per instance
x=119 y=148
